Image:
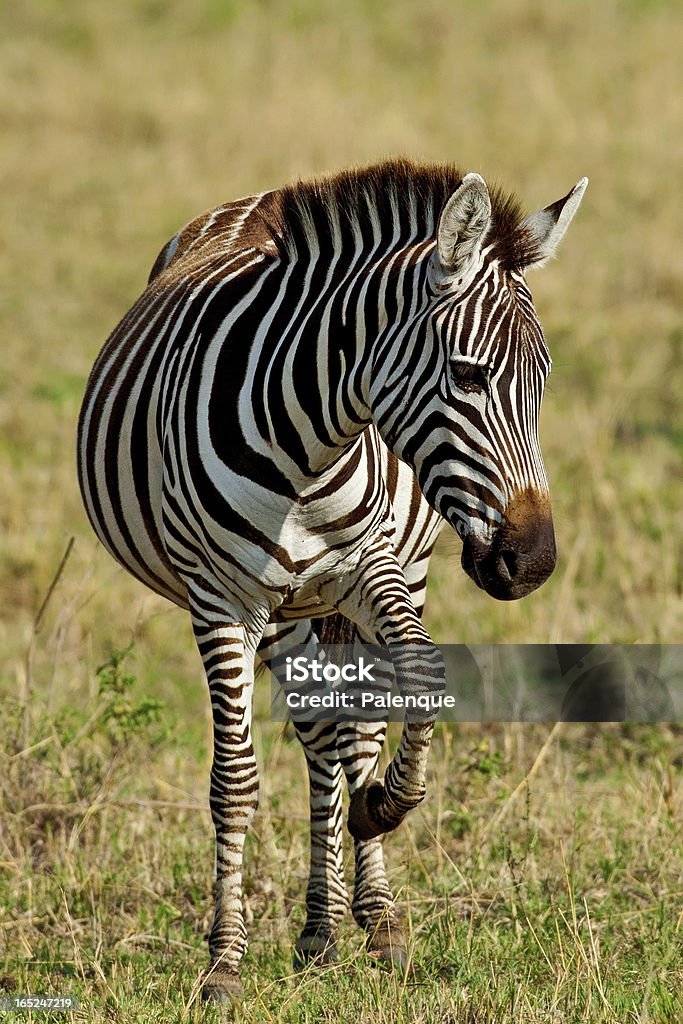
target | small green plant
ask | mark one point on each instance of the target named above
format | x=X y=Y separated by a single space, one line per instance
x=459 y=822
x=124 y=716
x=485 y=761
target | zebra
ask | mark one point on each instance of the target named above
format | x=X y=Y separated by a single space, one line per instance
x=231 y=439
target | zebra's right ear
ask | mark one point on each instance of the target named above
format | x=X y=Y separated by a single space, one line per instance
x=463 y=224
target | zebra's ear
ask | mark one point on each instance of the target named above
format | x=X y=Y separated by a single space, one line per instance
x=545 y=228
x=463 y=224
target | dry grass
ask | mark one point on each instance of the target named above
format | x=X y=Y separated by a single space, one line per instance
x=543 y=879
x=119 y=123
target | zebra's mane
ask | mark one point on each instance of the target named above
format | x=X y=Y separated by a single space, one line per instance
x=295 y=213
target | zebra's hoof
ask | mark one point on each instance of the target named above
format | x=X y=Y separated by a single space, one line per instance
x=388 y=945
x=314 y=951
x=365 y=820
x=222 y=987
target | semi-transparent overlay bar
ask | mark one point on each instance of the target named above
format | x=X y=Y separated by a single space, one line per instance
x=483 y=683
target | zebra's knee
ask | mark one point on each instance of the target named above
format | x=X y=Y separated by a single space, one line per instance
x=372 y=812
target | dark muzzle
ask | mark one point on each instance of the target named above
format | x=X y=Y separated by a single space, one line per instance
x=522 y=553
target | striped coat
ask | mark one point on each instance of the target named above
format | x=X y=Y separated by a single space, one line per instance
x=233 y=443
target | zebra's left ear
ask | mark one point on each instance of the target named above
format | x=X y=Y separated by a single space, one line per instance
x=463 y=224
x=545 y=228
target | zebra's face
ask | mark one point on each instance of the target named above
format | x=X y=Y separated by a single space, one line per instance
x=485 y=473
x=469 y=424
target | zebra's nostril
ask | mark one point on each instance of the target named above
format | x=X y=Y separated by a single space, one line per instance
x=506 y=563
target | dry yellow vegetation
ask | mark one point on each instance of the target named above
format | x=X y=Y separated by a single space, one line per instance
x=120 y=122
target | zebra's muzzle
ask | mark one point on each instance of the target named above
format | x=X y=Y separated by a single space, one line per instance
x=522 y=554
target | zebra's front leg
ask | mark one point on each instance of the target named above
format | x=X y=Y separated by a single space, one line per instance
x=326 y=896
x=379 y=602
x=227 y=652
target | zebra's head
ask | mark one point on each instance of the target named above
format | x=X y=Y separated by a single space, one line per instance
x=460 y=403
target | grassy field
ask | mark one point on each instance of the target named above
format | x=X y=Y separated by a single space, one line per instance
x=553 y=899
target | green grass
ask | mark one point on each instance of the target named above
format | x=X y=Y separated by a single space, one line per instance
x=542 y=880
x=119 y=123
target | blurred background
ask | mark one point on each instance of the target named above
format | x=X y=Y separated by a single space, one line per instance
x=120 y=122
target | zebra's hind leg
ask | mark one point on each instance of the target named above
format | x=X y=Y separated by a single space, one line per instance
x=227 y=652
x=326 y=896
x=374 y=908
x=373 y=905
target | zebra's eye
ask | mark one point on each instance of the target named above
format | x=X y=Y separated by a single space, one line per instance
x=469 y=376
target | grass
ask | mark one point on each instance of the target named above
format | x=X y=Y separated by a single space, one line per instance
x=542 y=880
x=119 y=123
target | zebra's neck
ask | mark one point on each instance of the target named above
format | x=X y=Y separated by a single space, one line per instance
x=330 y=366
x=359 y=273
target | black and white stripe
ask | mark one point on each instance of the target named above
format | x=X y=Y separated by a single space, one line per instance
x=232 y=444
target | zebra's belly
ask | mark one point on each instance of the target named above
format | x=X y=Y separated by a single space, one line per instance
x=302 y=607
